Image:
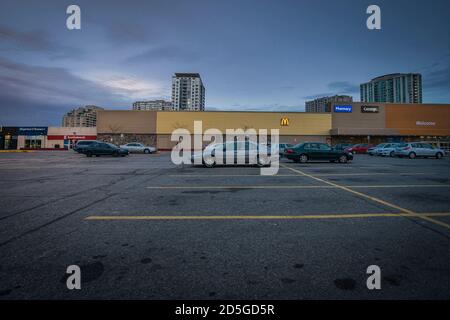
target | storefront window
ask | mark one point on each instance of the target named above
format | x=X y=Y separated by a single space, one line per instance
x=33 y=143
x=10 y=142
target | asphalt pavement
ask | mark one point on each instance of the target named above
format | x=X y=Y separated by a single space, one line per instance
x=140 y=227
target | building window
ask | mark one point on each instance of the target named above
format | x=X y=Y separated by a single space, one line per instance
x=33 y=143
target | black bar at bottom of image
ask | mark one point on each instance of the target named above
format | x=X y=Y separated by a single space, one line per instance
x=222 y=309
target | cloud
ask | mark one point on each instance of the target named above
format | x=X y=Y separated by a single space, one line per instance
x=27 y=90
x=336 y=88
x=22 y=112
x=132 y=87
x=267 y=107
x=46 y=84
x=35 y=41
x=170 y=53
x=318 y=95
x=130 y=33
x=342 y=87
x=438 y=76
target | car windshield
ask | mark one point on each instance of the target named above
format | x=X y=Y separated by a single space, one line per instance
x=111 y=145
x=402 y=145
x=381 y=145
x=299 y=145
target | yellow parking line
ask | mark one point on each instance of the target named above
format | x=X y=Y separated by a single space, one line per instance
x=362 y=195
x=261 y=217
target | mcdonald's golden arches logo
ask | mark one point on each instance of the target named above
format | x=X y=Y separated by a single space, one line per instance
x=284 y=122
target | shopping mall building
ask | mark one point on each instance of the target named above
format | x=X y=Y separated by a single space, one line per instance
x=349 y=122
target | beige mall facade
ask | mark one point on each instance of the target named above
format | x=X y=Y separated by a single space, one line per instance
x=347 y=122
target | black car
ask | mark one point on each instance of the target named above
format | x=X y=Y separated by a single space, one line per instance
x=81 y=144
x=311 y=151
x=103 y=148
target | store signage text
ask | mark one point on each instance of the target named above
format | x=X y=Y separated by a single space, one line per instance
x=340 y=109
x=32 y=131
x=370 y=109
x=425 y=123
x=70 y=137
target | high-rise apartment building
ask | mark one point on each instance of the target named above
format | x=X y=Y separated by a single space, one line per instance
x=188 y=92
x=323 y=104
x=394 y=88
x=152 y=105
x=81 y=117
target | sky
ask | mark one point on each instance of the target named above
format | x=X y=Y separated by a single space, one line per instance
x=268 y=55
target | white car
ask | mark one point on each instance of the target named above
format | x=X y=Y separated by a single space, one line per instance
x=418 y=149
x=374 y=150
x=388 y=150
x=136 y=147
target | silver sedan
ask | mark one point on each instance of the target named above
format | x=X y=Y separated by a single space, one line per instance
x=136 y=147
x=230 y=153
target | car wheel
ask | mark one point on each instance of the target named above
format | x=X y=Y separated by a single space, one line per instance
x=439 y=155
x=392 y=154
x=412 y=155
x=146 y=151
x=303 y=158
x=343 y=159
x=209 y=162
x=88 y=154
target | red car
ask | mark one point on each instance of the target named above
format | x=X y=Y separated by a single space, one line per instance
x=359 y=148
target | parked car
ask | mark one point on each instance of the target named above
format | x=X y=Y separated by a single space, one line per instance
x=388 y=150
x=282 y=147
x=241 y=152
x=136 y=147
x=418 y=149
x=311 y=151
x=342 y=146
x=359 y=148
x=373 y=150
x=103 y=148
x=81 y=144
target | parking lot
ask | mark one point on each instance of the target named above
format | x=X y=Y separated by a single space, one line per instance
x=140 y=227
